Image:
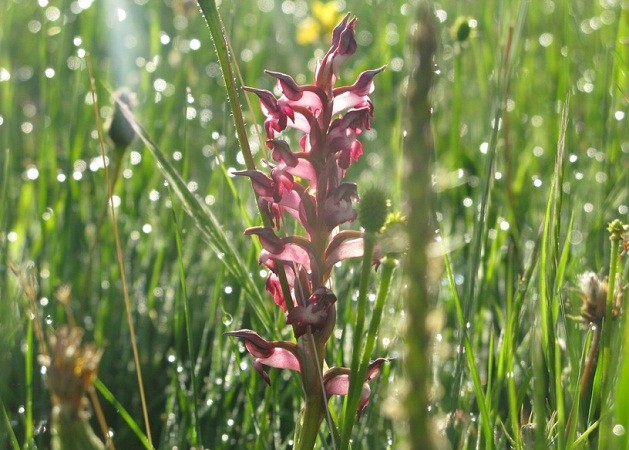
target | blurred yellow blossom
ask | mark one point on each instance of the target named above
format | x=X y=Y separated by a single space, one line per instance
x=318 y=26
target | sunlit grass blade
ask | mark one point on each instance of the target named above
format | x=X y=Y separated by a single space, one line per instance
x=551 y=371
x=606 y=368
x=194 y=399
x=8 y=434
x=219 y=38
x=229 y=69
x=479 y=235
x=128 y=418
x=207 y=223
x=470 y=356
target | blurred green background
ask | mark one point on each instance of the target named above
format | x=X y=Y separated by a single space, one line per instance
x=53 y=191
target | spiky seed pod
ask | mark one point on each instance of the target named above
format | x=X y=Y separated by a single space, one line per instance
x=372 y=210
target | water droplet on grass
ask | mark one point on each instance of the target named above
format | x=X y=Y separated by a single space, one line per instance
x=41 y=427
x=32 y=173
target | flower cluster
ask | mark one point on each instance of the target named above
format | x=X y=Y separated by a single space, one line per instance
x=308 y=185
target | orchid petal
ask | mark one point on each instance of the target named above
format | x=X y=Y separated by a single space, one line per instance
x=338 y=206
x=287 y=85
x=336 y=381
x=269 y=240
x=262 y=184
x=343 y=248
x=282 y=152
x=278 y=354
x=339 y=385
x=356 y=95
x=315 y=315
x=279 y=249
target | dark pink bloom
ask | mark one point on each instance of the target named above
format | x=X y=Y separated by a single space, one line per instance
x=306 y=182
x=345 y=244
x=288 y=249
x=314 y=316
x=283 y=355
x=338 y=206
x=343 y=46
x=336 y=381
x=277 y=113
x=297 y=164
x=280 y=354
x=342 y=135
x=357 y=95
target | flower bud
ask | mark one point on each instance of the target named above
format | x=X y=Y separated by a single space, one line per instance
x=462 y=29
x=372 y=210
x=120 y=130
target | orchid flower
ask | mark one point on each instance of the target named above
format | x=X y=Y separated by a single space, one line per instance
x=307 y=184
x=283 y=355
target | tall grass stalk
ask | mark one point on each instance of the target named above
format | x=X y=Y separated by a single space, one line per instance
x=188 y=339
x=120 y=260
x=479 y=234
x=419 y=156
x=550 y=376
x=605 y=366
x=222 y=48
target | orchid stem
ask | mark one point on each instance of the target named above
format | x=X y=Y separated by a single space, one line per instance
x=311 y=421
x=615 y=229
x=311 y=356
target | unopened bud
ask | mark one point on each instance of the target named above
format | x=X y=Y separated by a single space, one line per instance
x=372 y=210
x=120 y=130
x=462 y=29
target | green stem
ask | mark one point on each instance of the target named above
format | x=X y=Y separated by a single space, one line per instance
x=196 y=429
x=355 y=383
x=214 y=23
x=419 y=153
x=311 y=357
x=28 y=369
x=219 y=38
x=616 y=229
x=312 y=415
x=388 y=265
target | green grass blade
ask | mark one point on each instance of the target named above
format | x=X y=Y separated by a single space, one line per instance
x=9 y=434
x=486 y=423
x=196 y=431
x=133 y=425
x=207 y=223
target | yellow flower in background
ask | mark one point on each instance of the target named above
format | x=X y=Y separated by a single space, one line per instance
x=318 y=26
x=327 y=14
x=308 y=31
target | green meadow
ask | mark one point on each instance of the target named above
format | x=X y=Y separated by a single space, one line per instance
x=525 y=340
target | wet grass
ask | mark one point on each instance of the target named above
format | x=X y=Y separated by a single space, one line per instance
x=530 y=165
